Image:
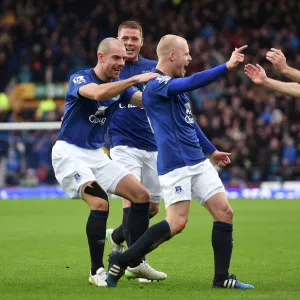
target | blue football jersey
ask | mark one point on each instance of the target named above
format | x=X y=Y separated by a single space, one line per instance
x=130 y=126
x=173 y=125
x=85 y=121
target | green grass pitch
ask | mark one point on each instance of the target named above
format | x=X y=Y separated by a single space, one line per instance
x=44 y=254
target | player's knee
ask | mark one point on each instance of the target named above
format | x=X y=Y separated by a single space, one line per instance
x=226 y=214
x=143 y=196
x=178 y=225
x=99 y=204
x=154 y=209
x=100 y=197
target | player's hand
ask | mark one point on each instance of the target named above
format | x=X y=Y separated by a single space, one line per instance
x=256 y=73
x=221 y=158
x=142 y=78
x=277 y=58
x=236 y=58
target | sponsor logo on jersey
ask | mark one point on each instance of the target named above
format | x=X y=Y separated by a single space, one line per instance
x=79 y=79
x=98 y=117
x=188 y=113
x=127 y=106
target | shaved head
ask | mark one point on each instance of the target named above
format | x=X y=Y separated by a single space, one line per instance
x=107 y=43
x=173 y=55
x=167 y=44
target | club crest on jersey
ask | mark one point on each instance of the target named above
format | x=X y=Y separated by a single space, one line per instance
x=77 y=177
x=101 y=111
x=79 y=79
x=163 y=79
x=188 y=113
x=178 y=189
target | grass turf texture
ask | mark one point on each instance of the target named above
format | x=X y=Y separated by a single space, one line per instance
x=44 y=254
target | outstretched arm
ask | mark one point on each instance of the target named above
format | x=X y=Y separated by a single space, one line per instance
x=200 y=79
x=102 y=92
x=278 y=60
x=258 y=75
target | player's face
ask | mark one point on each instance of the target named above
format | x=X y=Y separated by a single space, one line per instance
x=113 y=61
x=182 y=60
x=132 y=40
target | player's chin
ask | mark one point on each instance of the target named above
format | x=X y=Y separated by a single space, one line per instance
x=115 y=74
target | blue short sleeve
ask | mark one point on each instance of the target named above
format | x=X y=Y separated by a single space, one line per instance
x=77 y=81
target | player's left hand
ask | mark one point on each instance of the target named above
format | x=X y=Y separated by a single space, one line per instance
x=237 y=57
x=221 y=158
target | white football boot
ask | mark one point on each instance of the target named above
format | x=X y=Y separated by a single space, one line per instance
x=145 y=273
x=99 y=279
x=114 y=246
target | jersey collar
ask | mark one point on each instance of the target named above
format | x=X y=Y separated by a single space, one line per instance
x=96 y=77
x=154 y=70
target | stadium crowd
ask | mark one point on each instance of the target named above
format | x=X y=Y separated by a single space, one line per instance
x=46 y=42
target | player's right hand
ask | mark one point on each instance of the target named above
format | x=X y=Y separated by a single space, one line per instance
x=142 y=78
x=236 y=58
x=256 y=73
x=277 y=58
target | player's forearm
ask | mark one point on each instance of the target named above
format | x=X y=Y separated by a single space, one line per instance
x=198 y=80
x=205 y=143
x=291 y=89
x=109 y=90
x=291 y=73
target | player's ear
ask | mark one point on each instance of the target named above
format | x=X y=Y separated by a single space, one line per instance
x=142 y=42
x=172 y=56
x=100 y=57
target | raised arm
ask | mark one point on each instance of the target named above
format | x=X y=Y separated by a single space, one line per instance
x=278 y=60
x=258 y=75
x=104 y=91
x=200 y=79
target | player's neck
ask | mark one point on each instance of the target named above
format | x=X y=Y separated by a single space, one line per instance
x=133 y=59
x=101 y=75
x=164 y=69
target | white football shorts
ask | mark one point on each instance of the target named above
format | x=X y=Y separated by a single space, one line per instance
x=75 y=166
x=200 y=181
x=143 y=165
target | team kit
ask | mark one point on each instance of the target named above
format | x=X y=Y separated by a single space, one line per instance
x=140 y=110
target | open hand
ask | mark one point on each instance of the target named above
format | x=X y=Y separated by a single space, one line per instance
x=256 y=73
x=142 y=78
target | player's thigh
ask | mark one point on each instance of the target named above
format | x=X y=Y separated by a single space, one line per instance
x=176 y=186
x=206 y=183
x=150 y=178
x=70 y=170
x=130 y=188
x=109 y=173
x=130 y=158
